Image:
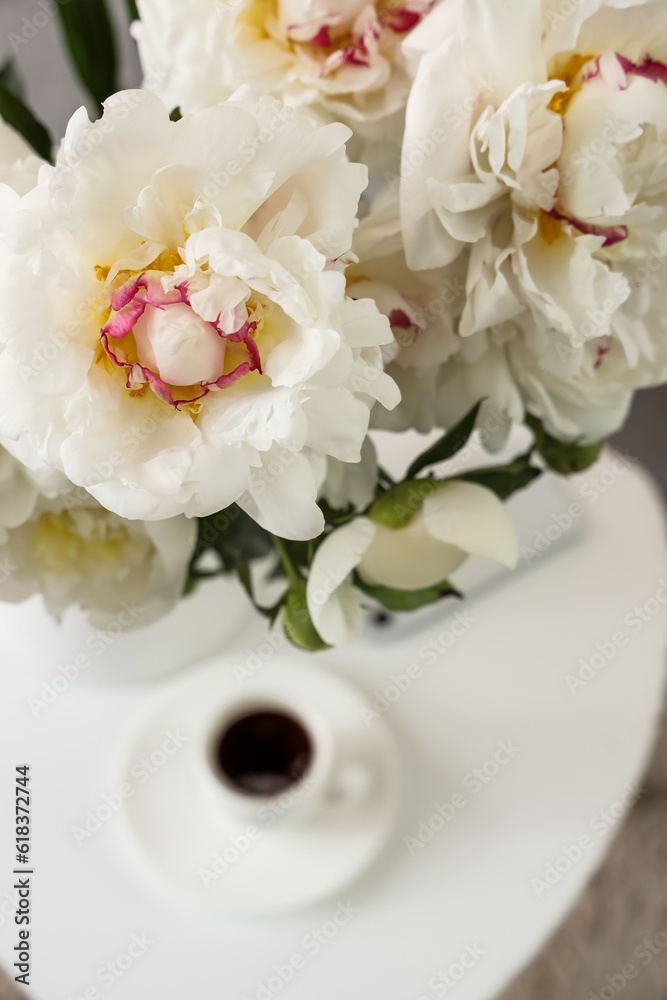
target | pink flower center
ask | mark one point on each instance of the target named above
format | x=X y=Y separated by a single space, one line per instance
x=178 y=345
x=157 y=339
x=356 y=44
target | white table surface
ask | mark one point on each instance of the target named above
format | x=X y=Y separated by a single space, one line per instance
x=472 y=886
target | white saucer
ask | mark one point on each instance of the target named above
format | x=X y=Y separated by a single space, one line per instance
x=269 y=866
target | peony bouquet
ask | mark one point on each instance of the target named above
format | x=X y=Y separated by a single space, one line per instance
x=316 y=221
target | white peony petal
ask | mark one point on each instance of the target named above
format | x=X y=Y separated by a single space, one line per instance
x=282 y=496
x=334 y=417
x=333 y=602
x=576 y=293
x=443 y=71
x=472 y=518
x=365 y=323
x=352 y=483
x=409 y=558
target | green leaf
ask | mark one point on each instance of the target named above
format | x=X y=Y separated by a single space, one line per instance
x=190 y=586
x=243 y=573
x=175 y=115
x=132 y=11
x=406 y=600
x=19 y=116
x=89 y=35
x=245 y=577
x=337 y=517
x=300 y=554
x=385 y=478
x=448 y=445
x=272 y=613
x=233 y=535
x=504 y=480
x=11 y=80
x=565 y=457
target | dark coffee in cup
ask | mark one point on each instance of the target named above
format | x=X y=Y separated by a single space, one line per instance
x=264 y=752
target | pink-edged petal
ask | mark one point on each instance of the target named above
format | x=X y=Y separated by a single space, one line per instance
x=244 y=335
x=322 y=39
x=120 y=362
x=124 y=295
x=159 y=387
x=615 y=69
x=155 y=293
x=139 y=375
x=611 y=234
x=652 y=69
x=312 y=33
x=147 y=284
x=402 y=20
x=231 y=377
x=121 y=322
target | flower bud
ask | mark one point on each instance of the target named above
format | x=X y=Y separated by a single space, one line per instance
x=297 y=623
x=396 y=508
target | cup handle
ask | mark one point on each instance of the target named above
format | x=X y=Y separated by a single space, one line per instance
x=350 y=784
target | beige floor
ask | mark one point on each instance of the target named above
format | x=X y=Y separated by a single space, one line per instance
x=625 y=905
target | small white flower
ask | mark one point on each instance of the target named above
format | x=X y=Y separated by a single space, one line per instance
x=458 y=520
x=74 y=552
x=178 y=337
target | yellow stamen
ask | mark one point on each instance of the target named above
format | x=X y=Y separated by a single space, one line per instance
x=570 y=73
x=550 y=229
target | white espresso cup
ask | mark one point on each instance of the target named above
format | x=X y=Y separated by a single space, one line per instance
x=241 y=759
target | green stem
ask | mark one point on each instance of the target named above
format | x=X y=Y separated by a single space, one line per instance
x=383 y=474
x=293 y=574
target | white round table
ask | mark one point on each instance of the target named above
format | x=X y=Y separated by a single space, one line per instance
x=524 y=718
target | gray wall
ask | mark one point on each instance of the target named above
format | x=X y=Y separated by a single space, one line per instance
x=51 y=87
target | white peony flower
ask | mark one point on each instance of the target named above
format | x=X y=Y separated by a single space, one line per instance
x=20 y=490
x=176 y=329
x=456 y=520
x=342 y=59
x=580 y=393
x=74 y=552
x=536 y=152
